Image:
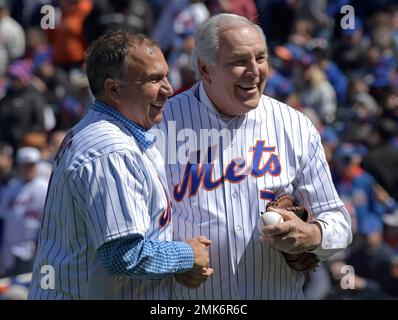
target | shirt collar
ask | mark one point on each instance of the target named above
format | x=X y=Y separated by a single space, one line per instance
x=143 y=136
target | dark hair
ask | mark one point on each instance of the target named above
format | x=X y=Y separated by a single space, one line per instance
x=106 y=57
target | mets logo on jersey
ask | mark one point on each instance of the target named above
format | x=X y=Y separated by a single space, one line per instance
x=201 y=174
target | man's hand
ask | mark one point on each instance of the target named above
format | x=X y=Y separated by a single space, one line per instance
x=201 y=271
x=294 y=235
x=200 y=249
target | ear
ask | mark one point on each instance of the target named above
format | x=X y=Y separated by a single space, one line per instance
x=204 y=72
x=112 y=90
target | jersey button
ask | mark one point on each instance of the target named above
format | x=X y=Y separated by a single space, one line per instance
x=235 y=195
x=238 y=229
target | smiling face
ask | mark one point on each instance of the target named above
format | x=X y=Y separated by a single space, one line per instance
x=145 y=89
x=236 y=83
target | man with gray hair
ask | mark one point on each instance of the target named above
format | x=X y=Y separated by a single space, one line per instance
x=221 y=190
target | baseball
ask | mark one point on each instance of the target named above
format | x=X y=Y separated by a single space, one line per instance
x=269 y=218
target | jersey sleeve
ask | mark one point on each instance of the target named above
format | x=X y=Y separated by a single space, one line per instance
x=112 y=194
x=315 y=190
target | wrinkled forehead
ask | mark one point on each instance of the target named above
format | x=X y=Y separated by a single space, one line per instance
x=242 y=37
x=239 y=32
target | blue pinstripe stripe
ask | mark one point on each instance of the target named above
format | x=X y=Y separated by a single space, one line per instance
x=295 y=170
x=172 y=179
x=322 y=184
x=262 y=245
x=270 y=266
x=331 y=186
x=229 y=241
x=190 y=201
x=119 y=191
x=220 y=259
x=253 y=220
x=276 y=144
x=80 y=249
x=312 y=180
x=88 y=217
x=59 y=250
x=53 y=245
x=211 y=125
x=241 y=207
x=206 y=195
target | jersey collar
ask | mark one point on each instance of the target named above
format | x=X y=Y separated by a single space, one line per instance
x=143 y=136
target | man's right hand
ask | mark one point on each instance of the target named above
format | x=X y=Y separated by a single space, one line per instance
x=200 y=249
x=201 y=271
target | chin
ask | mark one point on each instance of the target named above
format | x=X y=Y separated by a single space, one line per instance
x=252 y=104
x=157 y=119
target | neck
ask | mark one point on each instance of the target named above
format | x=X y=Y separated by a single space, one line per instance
x=208 y=92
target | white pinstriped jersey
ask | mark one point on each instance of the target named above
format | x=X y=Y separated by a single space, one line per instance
x=22 y=210
x=284 y=155
x=103 y=187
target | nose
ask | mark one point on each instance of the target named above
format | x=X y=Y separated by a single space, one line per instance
x=252 y=69
x=166 y=87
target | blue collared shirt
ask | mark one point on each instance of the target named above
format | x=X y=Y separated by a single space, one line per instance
x=143 y=136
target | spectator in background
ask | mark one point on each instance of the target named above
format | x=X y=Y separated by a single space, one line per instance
x=6 y=174
x=333 y=73
x=290 y=59
x=315 y=12
x=350 y=52
x=67 y=39
x=12 y=38
x=372 y=258
x=181 y=75
x=278 y=86
x=330 y=142
x=22 y=109
x=318 y=94
x=245 y=8
x=21 y=210
x=6 y=171
x=382 y=159
x=106 y=16
x=357 y=185
x=163 y=29
x=27 y=12
x=38 y=140
x=51 y=81
x=54 y=140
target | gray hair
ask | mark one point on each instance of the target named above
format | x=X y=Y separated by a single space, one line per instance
x=207 y=38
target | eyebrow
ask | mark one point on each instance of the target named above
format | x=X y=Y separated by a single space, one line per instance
x=155 y=75
x=238 y=54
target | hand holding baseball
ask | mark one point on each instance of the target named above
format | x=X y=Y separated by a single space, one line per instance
x=267 y=219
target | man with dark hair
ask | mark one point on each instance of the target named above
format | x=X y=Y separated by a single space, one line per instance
x=106 y=231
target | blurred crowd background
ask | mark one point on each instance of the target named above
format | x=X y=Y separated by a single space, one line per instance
x=345 y=80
